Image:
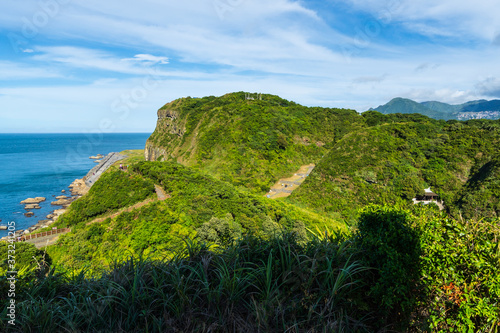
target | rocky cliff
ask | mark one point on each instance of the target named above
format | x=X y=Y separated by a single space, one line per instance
x=169 y=127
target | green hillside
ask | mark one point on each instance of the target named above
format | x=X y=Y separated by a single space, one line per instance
x=481 y=194
x=394 y=161
x=199 y=205
x=441 y=107
x=250 y=143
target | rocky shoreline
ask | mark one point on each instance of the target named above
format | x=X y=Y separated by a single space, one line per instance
x=77 y=188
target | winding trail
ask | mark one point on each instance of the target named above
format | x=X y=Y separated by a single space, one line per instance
x=160 y=195
x=160 y=192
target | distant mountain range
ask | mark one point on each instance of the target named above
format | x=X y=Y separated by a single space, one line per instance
x=480 y=109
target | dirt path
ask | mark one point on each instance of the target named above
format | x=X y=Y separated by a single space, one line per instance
x=285 y=186
x=126 y=209
x=160 y=194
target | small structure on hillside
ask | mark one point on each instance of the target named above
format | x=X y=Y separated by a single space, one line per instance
x=429 y=197
x=249 y=97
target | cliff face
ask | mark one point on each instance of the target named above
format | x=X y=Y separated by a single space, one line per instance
x=154 y=153
x=169 y=129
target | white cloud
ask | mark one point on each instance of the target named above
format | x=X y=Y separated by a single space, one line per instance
x=489 y=87
x=149 y=59
x=79 y=57
x=426 y=67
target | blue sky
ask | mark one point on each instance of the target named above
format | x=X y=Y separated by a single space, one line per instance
x=107 y=66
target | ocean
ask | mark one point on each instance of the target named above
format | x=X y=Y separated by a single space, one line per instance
x=41 y=165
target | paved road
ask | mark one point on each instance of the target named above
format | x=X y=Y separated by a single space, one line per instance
x=98 y=170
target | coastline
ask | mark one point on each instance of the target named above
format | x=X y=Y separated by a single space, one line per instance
x=41 y=165
x=78 y=188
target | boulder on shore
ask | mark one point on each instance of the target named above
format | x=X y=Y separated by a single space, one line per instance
x=61 y=202
x=57 y=213
x=30 y=201
x=61 y=197
x=32 y=206
x=78 y=187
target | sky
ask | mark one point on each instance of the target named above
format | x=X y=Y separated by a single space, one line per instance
x=108 y=66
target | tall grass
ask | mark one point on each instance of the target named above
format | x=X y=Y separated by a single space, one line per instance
x=277 y=285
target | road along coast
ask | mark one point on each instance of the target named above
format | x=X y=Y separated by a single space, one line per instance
x=77 y=188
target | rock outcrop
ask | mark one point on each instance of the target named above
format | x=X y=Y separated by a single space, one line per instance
x=169 y=125
x=78 y=187
x=61 y=202
x=154 y=153
x=32 y=206
x=30 y=201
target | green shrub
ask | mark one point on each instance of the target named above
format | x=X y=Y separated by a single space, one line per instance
x=113 y=190
x=389 y=245
x=460 y=274
x=253 y=285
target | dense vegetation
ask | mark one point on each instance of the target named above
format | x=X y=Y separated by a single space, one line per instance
x=402 y=270
x=26 y=256
x=250 y=143
x=114 y=190
x=198 y=204
x=394 y=160
x=218 y=256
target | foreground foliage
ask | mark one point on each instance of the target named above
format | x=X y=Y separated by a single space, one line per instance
x=254 y=285
x=402 y=270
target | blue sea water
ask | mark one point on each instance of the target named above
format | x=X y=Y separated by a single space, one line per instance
x=41 y=165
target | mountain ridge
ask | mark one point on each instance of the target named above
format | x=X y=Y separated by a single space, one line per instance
x=478 y=109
